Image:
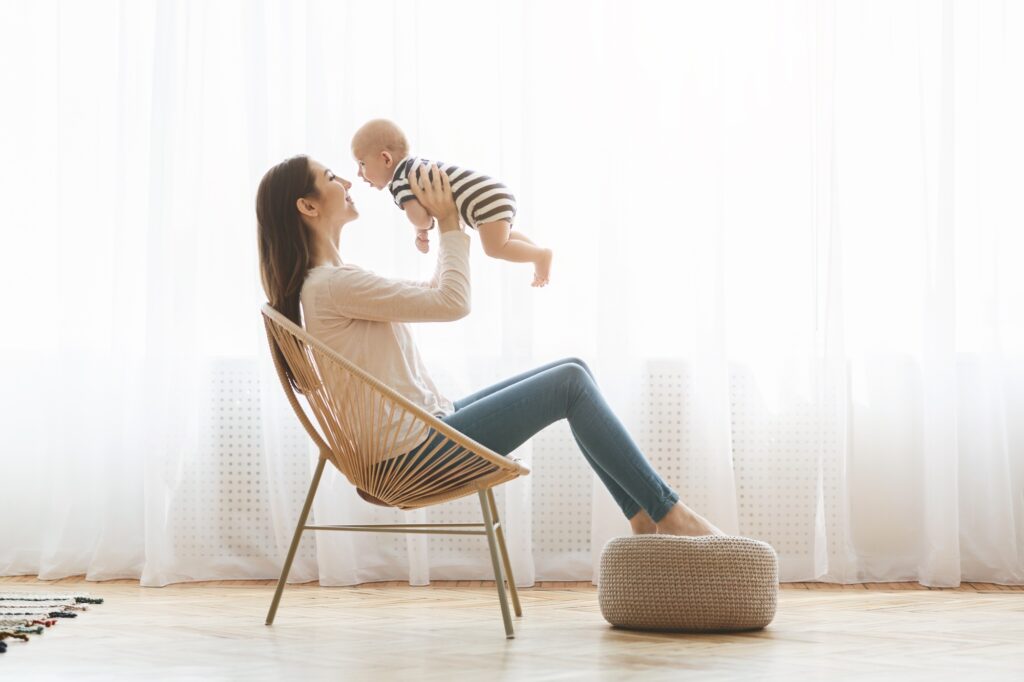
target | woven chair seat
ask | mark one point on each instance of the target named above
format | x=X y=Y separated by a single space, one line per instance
x=710 y=583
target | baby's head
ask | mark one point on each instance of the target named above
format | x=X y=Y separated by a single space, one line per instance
x=378 y=147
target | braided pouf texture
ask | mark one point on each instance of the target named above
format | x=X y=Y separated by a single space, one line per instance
x=708 y=583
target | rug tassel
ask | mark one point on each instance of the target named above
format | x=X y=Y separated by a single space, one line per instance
x=25 y=614
x=37 y=630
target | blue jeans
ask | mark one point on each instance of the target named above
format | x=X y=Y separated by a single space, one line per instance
x=507 y=414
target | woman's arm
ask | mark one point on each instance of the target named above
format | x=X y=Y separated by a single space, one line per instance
x=364 y=295
x=361 y=294
x=429 y=283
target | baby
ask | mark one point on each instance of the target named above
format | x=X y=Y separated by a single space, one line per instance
x=382 y=152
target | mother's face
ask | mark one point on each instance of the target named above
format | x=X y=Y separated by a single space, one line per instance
x=332 y=205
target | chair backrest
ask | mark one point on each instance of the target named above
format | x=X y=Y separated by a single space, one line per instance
x=365 y=424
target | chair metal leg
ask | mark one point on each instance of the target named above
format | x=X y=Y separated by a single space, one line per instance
x=314 y=484
x=504 y=554
x=492 y=543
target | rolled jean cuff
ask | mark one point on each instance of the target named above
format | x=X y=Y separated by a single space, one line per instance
x=663 y=507
x=629 y=507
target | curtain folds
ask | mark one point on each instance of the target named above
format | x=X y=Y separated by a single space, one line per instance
x=786 y=238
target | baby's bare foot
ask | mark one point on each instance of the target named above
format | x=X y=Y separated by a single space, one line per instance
x=422 y=242
x=542 y=269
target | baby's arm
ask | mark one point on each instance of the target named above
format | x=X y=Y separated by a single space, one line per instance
x=417 y=215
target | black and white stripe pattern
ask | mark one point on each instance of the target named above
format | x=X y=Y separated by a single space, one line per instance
x=479 y=198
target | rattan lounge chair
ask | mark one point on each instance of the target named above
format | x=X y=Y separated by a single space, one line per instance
x=361 y=421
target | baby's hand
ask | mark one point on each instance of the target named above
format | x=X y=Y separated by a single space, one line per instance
x=423 y=240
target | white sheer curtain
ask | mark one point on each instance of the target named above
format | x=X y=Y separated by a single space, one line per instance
x=807 y=213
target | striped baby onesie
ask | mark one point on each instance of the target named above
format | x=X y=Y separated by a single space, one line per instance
x=479 y=198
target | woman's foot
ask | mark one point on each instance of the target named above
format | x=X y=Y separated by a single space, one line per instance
x=643 y=524
x=681 y=520
x=542 y=268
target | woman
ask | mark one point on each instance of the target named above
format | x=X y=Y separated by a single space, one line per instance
x=301 y=207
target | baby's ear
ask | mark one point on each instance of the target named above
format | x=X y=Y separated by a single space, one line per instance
x=388 y=159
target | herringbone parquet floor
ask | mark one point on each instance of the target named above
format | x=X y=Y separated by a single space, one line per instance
x=452 y=631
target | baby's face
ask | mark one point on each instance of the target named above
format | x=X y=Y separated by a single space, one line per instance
x=376 y=168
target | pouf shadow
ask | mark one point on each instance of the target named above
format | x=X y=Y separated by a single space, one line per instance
x=708 y=583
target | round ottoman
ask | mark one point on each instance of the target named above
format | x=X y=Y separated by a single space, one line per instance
x=709 y=583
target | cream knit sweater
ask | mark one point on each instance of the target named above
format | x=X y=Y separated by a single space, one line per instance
x=362 y=316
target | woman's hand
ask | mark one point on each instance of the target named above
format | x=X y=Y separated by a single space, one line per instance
x=435 y=195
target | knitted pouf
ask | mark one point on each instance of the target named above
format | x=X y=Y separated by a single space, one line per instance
x=709 y=583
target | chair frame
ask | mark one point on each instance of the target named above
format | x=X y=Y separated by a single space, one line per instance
x=491 y=526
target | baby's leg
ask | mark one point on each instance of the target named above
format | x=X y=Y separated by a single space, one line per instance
x=512 y=234
x=500 y=241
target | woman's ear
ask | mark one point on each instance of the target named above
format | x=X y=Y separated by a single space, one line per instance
x=306 y=207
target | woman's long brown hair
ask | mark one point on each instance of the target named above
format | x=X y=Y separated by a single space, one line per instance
x=285 y=242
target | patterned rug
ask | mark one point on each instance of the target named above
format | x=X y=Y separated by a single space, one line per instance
x=28 y=613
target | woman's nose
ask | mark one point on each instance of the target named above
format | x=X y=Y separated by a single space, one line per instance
x=347 y=184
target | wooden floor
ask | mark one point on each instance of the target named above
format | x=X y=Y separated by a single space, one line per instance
x=452 y=631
